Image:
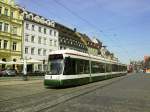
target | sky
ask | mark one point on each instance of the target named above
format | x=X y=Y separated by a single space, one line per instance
x=121 y=25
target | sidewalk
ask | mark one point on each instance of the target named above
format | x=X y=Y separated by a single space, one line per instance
x=4 y=81
x=20 y=78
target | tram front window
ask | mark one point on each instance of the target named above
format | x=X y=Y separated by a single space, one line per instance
x=55 y=67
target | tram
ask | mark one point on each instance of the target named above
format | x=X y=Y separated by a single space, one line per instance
x=71 y=68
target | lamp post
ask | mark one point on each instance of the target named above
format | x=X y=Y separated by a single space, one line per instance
x=25 y=70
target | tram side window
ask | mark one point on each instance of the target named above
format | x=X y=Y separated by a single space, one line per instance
x=120 y=68
x=82 y=66
x=114 y=68
x=108 y=68
x=97 y=67
x=76 y=66
x=125 y=68
x=69 y=66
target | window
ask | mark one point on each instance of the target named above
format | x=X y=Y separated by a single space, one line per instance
x=108 y=68
x=50 y=43
x=114 y=68
x=44 y=41
x=32 y=38
x=40 y=29
x=6 y=27
x=14 y=30
x=39 y=40
x=39 y=67
x=27 y=26
x=0 y=43
x=0 y=10
x=32 y=50
x=44 y=52
x=26 y=50
x=14 y=46
x=97 y=67
x=76 y=66
x=5 y=44
x=26 y=37
x=50 y=32
x=12 y=14
x=50 y=50
x=39 y=51
x=82 y=66
x=55 y=43
x=33 y=27
x=55 y=33
x=6 y=12
x=44 y=30
x=1 y=26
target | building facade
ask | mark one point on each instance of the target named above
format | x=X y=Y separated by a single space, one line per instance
x=10 y=31
x=92 y=45
x=40 y=38
x=69 y=40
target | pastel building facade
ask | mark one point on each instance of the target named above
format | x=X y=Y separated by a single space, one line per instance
x=10 y=31
x=40 y=38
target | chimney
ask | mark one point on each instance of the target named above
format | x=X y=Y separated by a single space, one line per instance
x=74 y=29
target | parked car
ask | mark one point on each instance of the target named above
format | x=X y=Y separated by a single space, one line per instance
x=10 y=72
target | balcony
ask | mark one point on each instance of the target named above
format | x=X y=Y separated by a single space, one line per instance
x=5 y=34
x=5 y=17
x=16 y=53
x=15 y=36
x=16 y=21
x=4 y=51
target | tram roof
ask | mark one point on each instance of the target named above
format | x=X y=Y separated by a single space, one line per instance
x=81 y=54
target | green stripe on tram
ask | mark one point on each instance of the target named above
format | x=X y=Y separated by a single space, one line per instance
x=48 y=82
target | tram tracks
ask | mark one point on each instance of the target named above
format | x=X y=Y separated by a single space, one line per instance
x=79 y=93
x=52 y=97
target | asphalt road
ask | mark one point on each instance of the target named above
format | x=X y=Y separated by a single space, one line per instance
x=129 y=93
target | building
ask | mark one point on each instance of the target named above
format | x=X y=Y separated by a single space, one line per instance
x=147 y=64
x=40 y=38
x=98 y=44
x=68 y=39
x=92 y=45
x=10 y=31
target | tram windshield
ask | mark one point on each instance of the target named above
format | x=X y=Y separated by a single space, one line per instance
x=55 y=67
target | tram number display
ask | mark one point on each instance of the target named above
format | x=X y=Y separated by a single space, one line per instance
x=55 y=56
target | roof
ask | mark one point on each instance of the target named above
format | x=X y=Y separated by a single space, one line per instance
x=77 y=53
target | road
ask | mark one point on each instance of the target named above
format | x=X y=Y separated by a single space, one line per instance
x=129 y=93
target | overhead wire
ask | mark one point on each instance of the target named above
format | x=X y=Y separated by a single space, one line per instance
x=86 y=21
x=78 y=16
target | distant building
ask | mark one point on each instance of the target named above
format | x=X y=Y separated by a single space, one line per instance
x=92 y=46
x=68 y=39
x=10 y=31
x=40 y=38
x=147 y=63
x=147 y=60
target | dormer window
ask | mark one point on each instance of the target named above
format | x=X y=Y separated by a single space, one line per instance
x=37 y=18
x=31 y=17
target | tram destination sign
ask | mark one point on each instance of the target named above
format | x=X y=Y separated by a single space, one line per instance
x=55 y=56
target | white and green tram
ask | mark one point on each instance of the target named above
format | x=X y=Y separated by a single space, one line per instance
x=70 y=68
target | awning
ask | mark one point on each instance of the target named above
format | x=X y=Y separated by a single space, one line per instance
x=34 y=61
x=2 y=62
x=14 y=62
